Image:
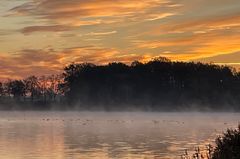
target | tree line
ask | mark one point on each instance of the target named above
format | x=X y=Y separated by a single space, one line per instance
x=159 y=84
x=31 y=91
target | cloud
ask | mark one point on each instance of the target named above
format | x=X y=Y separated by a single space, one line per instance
x=159 y=16
x=191 y=46
x=98 y=55
x=116 y=30
x=79 y=12
x=53 y=28
x=28 y=62
x=205 y=24
x=45 y=62
x=101 y=33
x=229 y=58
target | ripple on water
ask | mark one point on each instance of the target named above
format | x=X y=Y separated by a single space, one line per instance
x=59 y=135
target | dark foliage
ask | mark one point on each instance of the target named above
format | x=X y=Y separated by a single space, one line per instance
x=17 y=88
x=31 y=93
x=228 y=146
x=156 y=85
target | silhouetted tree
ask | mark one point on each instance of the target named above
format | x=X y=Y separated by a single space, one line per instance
x=1 y=89
x=54 y=87
x=43 y=86
x=32 y=86
x=7 y=88
x=17 y=88
x=159 y=84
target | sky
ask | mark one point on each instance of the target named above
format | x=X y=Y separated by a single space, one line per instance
x=41 y=37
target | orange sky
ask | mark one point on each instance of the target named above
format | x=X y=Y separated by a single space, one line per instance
x=42 y=36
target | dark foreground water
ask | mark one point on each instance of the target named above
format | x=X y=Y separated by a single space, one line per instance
x=99 y=135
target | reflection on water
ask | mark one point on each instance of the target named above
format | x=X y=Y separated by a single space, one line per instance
x=83 y=135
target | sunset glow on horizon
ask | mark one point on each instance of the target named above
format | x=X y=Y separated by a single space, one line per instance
x=42 y=36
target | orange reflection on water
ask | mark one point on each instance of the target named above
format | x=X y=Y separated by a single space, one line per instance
x=84 y=135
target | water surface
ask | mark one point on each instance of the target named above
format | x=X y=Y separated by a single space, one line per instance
x=105 y=135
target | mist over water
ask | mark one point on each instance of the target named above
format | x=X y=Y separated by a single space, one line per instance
x=107 y=135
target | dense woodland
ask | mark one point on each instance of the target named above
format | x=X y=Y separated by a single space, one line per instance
x=159 y=84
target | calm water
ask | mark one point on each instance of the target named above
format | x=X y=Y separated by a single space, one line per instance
x=85 y=135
